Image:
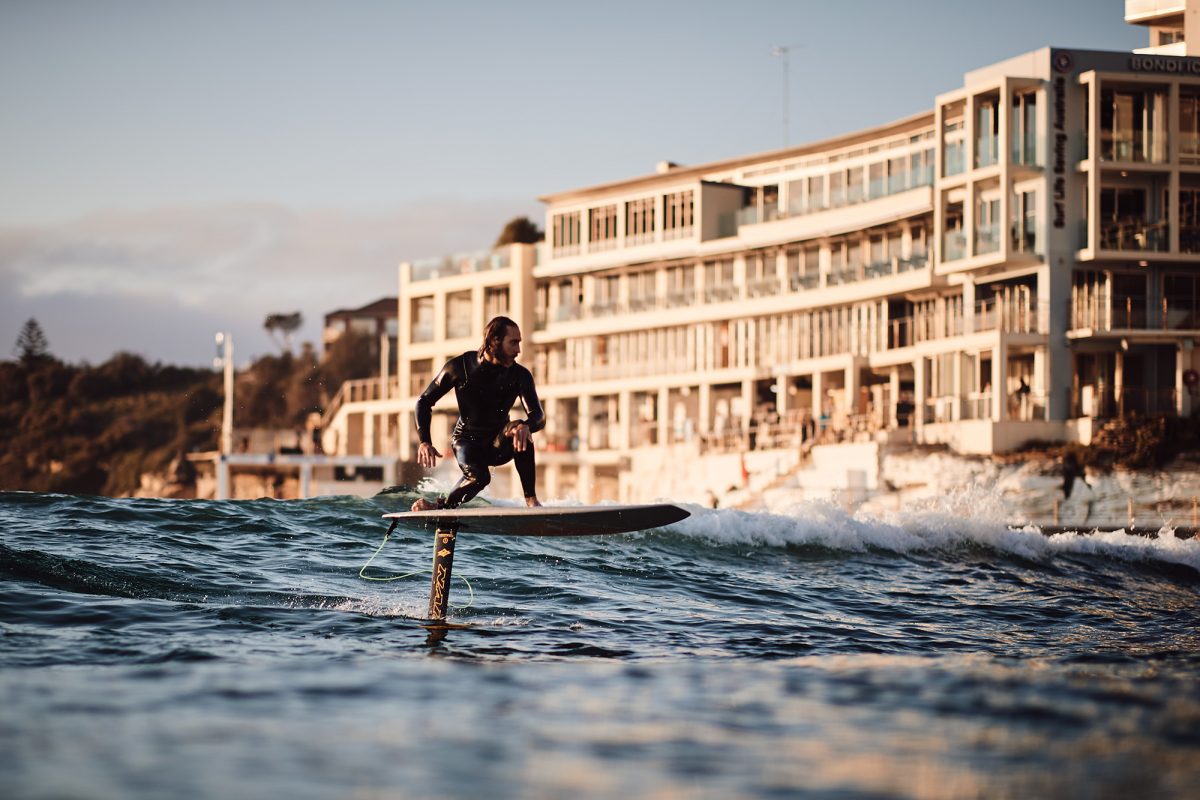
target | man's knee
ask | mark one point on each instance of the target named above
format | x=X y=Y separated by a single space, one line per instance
x=480 y=476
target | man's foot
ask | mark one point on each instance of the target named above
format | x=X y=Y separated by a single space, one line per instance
x=424 y=505
x=532 y=502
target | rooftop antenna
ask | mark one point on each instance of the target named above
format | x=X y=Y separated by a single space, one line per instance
x=782 y=51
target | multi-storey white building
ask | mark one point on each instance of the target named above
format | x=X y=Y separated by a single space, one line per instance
x=1016 y=264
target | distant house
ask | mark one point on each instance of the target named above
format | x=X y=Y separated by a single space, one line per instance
x=374 y=320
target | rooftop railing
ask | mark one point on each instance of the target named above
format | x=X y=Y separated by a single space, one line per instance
x=915 y=261
x=1011 y=317
x=987 y=239
x=1132 y=312
x=954 y=245
x=1135 y=235
x=810 y=280
x=763 y=287
x=721 y=293
x=459 y=264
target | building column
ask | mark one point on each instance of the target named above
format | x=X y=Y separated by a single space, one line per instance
x=368 y=442
x=624 y=421
x=853 y=384
x=999 y=383
x=223 y=477
x=968 y=301
x=704 y=424
x=1173 y=176
x=553 y=424
x=586 y=477
x=893 y=419
x=306 y=471
x=818 y=399
x=1039 y=370
x=389 y=473
x=918 y=396
x=958 y=381
x=585 y=422
x=407 y=433
x=663 y=415
x=1183 y=394
x=1119 y=380
x=1057 y=374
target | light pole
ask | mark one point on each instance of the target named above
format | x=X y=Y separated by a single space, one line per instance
x=782 y=50
x=224 y=360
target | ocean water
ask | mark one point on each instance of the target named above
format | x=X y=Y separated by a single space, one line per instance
x=201 y=649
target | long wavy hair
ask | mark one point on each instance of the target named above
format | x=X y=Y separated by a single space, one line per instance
x=493 y=336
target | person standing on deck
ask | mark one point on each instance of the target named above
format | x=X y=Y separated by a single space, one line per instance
x=486 y=384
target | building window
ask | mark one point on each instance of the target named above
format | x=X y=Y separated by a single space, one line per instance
x=854 y=185
x=987 y=130
x=1133 y=124
x=678 y=209
x=1189 y=216
x=920 y=168
x=495 y=302
x=762 y=277
x=1181 y=301
x=876 y=185
x=1128 y=223
x=566 y=233
x=953 y=133
x=602 y=227
x=954 y=244
x=458 y=315
x=639 y=221
x=816 y=193
x=421 y=374
x=987 y=224
x=1169 y=36
x=364 y=326
x=681 y=285
x=422 y=319
x=837 y=189
x=1024 y=228
x=769 y=198
x=1189 y=126
x=606 y=291
x=1128 y=300
x=718 y=281
x=1024 y=129
x=643 y=290
x=878 y=262
x=569 y=300
x=795 y=198
x=897 y=175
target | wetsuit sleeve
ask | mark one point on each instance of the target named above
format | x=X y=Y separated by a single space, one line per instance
x=445 y=380
x=535 y=417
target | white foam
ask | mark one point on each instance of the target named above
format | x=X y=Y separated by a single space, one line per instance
x=960 y=519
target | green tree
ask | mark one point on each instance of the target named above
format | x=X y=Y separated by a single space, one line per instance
x=520 y=230
x=32 y=345
x=283 y=327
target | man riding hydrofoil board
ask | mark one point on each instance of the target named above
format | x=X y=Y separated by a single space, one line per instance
x=486 y=383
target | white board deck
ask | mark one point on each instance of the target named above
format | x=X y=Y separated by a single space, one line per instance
x=543 y=521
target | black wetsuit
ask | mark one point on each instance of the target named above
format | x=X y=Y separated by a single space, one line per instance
x=486 y=392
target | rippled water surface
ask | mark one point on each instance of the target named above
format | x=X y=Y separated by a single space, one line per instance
x=230 y=649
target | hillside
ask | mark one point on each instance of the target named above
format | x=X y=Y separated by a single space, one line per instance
x=82 y=429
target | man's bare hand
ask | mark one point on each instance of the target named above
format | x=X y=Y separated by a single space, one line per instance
x=427 y=455
x=521 y=437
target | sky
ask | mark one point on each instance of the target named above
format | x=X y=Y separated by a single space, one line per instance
x=171 y=169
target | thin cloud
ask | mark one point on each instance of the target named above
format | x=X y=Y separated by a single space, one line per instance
x=230 y=264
